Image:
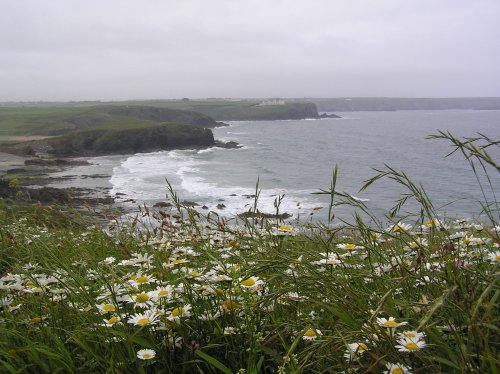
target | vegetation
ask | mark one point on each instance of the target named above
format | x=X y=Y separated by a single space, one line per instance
x=59 y=120
x=172 y=291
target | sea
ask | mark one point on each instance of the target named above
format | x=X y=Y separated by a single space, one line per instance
x=286 y=166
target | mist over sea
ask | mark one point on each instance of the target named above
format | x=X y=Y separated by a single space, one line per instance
x=296 y=158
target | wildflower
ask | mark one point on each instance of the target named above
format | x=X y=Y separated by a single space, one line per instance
x=355 y=351
x=149 y=317
x=146 y=354
x=412 y=335
x=143 y=299
x=140 y=279
x=312 y=334
x=106 y=308
x=229 y=305
x=140 y=259
x=494 y=257
x=164 y=292
x=397 y=369
x=177 y=313
x=348 y=246
x=390 y=323
x=115 y=320
x=399 y=227
x=410 y=345
x=251 y=283
x=230 y=330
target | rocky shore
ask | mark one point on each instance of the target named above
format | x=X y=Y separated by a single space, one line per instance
x=43 y=179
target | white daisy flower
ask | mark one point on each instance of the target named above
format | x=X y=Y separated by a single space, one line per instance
x=397 y=369
x=146 y=354
x=149 y=317
x=312 y=334
x=410 y=345
x=390 y=323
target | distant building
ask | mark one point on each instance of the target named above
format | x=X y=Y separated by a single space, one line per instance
x=272 y=102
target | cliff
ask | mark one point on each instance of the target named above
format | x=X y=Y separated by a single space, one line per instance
x=130 y=140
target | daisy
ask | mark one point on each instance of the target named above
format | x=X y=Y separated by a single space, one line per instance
x=397 y=369
x=149 y=317
x=105 y=308
x=312 y=334
x=410 y=345
x=399 y=227
x=229 y=305
x=146 y=354
x=230 y=330
x=390 y=323
x=348 y=246
x=251 y=283
x=140 y=279
x=494 y=257
x=411 y=335
x=142 y=299
x=163 y=293
x=115 y=320
x=177 y=313
x=355 y=351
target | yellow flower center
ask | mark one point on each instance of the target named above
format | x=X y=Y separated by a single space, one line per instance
x=229 y=305
x=146 y=355
x=144 y=321
x=177 y=262
x=234 y=244
x=497 y=257
x=413 y=245
x=112 y=321
x=409 y=335
x=350 y=246
x=397 y=371
x=142 y=298
x=178 y=312
x=310 y=333
x=411 y=346
x=142 y=279
x=108 y=308
x=194 y=273
x=162 y=293
x=362 y=347
x=249 y=282
x=35 y=320
x=428 y=224
x=285 y=228
x=391 y=324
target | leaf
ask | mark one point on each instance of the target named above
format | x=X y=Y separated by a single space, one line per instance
x=213 y=361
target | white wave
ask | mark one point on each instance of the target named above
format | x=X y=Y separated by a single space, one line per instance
x=358 y=198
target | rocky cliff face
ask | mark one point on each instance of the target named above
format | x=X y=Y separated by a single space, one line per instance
x=116 y=141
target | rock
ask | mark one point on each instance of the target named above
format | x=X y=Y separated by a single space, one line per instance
x=325 y=115
x=260 y=214
x=189 y=203
x=227 y=145
x=55 y=162
x=220 y=206
x=204 y=207
x=163 y=204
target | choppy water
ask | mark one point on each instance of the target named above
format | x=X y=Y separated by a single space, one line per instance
x=296 y=158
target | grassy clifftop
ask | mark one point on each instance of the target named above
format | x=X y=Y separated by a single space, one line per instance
x=58 y=120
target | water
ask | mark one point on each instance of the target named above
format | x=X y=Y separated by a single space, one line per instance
x=296 y=158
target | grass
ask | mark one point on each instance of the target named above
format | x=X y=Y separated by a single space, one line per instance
x=173 y=291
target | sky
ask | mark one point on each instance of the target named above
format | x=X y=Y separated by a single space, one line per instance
x=62 y=50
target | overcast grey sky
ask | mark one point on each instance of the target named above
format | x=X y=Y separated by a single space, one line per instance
x=142 y=49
